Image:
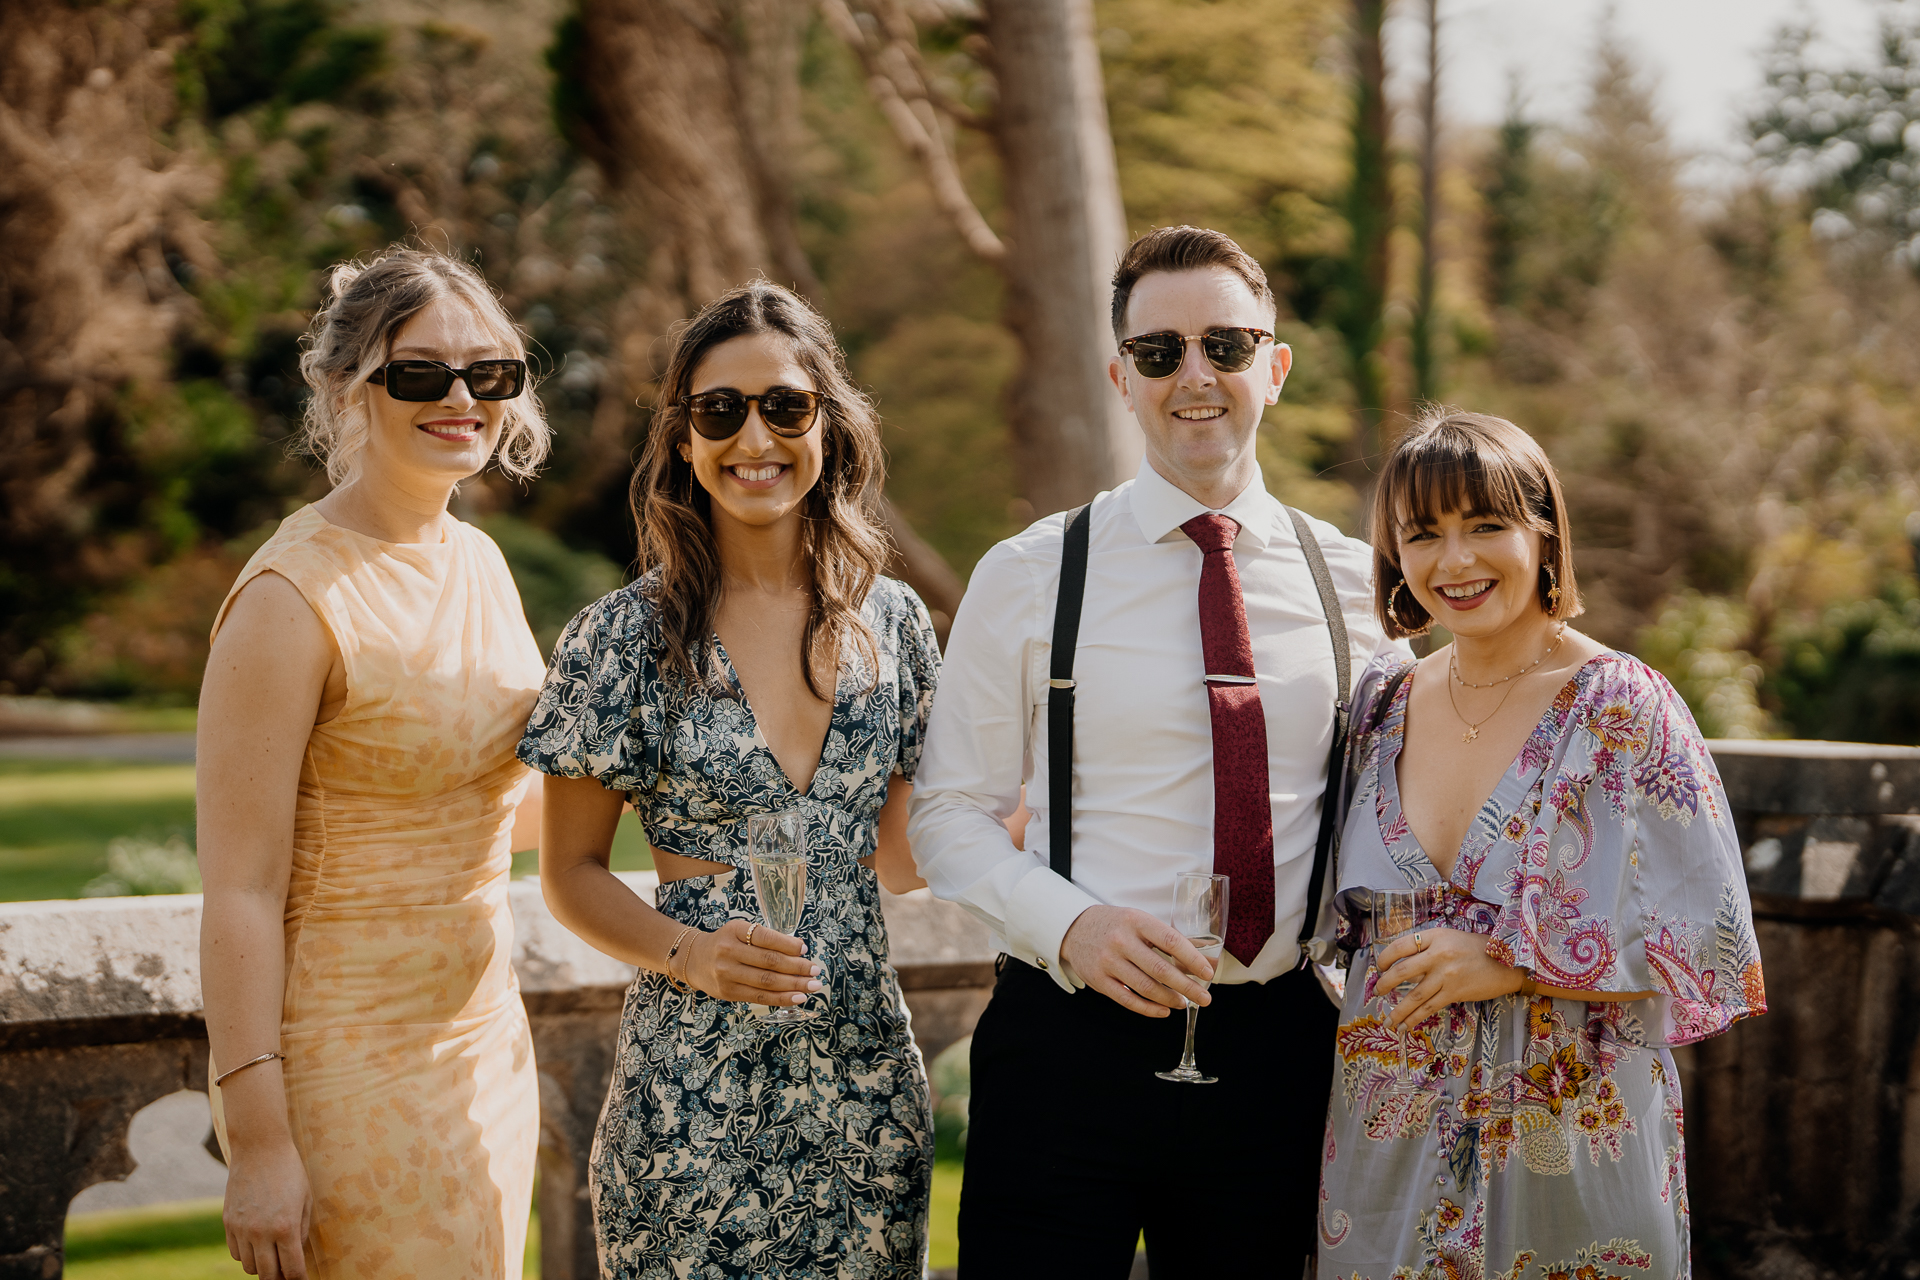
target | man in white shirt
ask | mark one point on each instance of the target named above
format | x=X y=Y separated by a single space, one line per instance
x=1074 y=1145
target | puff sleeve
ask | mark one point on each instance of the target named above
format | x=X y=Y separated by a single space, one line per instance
x=599 y=712
x=917 y=656
x=1629 y=877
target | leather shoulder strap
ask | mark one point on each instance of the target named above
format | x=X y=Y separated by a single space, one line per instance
x=1326 y=844
x=1060 y=690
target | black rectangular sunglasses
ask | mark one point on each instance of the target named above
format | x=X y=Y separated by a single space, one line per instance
x=718 y=415
x=430 y=379
x=1158 y=355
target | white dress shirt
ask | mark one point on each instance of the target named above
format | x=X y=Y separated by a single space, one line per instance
x=1143 y=733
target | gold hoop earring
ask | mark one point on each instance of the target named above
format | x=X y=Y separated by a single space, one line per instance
x=1553 y=592
x=1393 y=610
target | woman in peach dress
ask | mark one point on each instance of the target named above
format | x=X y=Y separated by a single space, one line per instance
x=374 y=1087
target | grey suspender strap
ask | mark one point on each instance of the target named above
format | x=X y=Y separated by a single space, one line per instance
x=1060 y=689
x=1324 y=846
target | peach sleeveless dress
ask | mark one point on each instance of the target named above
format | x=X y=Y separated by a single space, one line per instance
x=409 y=1072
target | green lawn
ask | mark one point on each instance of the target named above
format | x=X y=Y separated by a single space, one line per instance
x=56 y=818
x=184 y=1241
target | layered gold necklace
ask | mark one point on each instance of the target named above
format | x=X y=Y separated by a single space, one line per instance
x=1453 y=671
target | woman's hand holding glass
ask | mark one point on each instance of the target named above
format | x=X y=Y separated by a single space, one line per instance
x=1444 y=966
x=750 y=964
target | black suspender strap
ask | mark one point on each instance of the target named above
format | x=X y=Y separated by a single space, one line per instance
x=1324 y=846
x=1066 y=638
x=1061 y=689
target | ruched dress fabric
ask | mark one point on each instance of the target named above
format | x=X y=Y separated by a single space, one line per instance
x=730 y=1146
x=410 y=1075
x=1539 y=1139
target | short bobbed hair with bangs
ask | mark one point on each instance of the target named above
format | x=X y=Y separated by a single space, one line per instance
x=1472 y=463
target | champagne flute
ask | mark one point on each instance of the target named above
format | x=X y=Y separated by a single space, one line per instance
x=1199 y=912
x=777 y=852
x=1396 y=913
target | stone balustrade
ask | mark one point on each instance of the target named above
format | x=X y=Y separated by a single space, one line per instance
x=1803 y=1126
x=100 y=1016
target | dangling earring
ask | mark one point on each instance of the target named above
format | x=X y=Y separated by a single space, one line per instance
x=1393 y=608
x=1553 y=592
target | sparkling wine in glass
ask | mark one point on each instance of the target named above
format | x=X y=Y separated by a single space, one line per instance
x=1396 y=913
x=777 y=852
x=1199 y=912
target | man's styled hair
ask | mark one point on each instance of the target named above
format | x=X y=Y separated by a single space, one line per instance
x=1183 y=249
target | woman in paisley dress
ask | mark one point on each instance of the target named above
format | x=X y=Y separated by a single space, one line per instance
x=1504 y=1102
x=760 y=663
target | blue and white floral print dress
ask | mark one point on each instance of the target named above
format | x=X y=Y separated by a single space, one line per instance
x=1539 y=1139
x=730 y=1146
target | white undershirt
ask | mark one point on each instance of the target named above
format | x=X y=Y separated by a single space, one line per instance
x=1143 y=735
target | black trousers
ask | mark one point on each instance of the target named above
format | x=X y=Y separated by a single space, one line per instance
x=1074 y=1147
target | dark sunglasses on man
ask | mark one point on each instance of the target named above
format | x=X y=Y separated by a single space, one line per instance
x=719 y=415
x=1159 y=355
x=421 y=380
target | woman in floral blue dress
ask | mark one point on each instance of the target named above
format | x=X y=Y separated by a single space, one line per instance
x=759 y=664
x=1504 y=1101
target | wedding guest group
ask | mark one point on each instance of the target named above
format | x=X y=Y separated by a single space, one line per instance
x=1214 y=629
x=759 y=666
x=372 y=1073
x=1571 y=902
x=1517 y=846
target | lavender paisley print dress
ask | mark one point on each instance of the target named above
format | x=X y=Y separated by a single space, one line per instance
x=1542 y=1139
x=729 y=1146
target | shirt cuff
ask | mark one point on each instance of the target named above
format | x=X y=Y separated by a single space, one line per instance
x=1041 y=909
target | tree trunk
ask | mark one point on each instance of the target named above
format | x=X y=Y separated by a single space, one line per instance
x=93 y=208
x=692 y=108
x=1360 y=316
x=1066 y=230
x=1426 y=371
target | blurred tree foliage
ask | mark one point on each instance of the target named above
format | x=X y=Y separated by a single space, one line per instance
x=1850 y=135
x=1729 y=392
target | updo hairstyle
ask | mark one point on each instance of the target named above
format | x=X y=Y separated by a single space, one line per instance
x=352 y=335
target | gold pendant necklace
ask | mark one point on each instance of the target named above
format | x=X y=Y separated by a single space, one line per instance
x=1453 y=671
x=1473 y=730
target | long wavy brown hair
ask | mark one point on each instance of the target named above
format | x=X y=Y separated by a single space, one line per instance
x=842 y=536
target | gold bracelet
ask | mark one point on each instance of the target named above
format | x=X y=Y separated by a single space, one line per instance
x=1527 y=990
x=250 y=1062
x=673 y=951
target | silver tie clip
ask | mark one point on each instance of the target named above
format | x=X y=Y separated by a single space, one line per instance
x=1230 y=679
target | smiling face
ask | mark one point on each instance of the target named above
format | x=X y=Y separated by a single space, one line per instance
x=445 y=440
x=755 y=477
x=1200 y=422
x=1477 y=574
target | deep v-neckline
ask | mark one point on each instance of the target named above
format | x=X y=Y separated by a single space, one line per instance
x=1390 y=771
x=760 y=741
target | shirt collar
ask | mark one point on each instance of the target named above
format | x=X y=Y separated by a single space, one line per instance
x=1160 y=508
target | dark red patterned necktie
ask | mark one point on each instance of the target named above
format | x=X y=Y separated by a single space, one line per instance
x=1242 y=808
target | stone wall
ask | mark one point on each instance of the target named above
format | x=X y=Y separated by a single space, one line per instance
x=100 y=1016
x=1803 y=1126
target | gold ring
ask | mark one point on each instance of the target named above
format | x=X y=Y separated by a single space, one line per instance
x=1418 y=943
x=750 y=929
